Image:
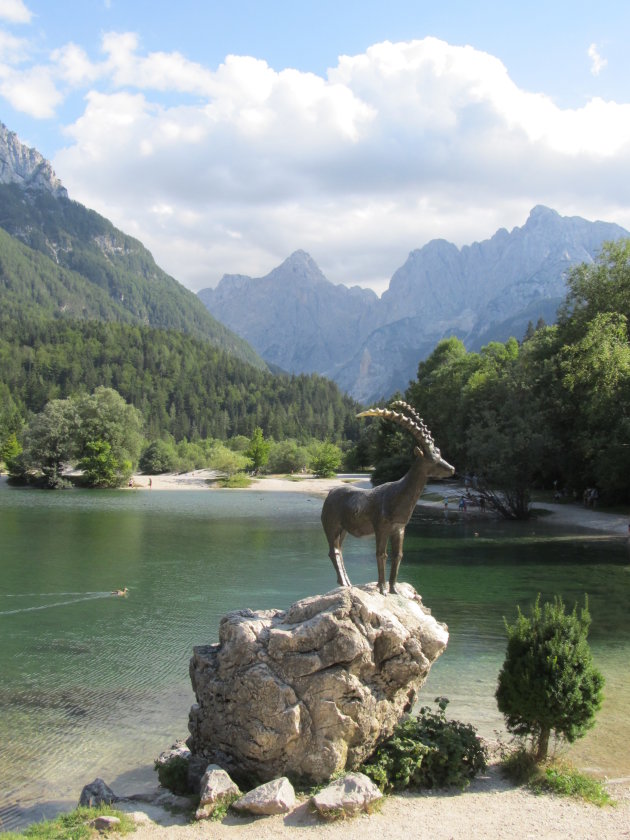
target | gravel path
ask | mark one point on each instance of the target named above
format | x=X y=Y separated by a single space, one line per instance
x=490 y=809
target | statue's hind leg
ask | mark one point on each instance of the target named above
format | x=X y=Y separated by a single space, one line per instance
x=337 y=560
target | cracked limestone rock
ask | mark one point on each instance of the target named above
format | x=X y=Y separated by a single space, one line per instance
x=309 y=691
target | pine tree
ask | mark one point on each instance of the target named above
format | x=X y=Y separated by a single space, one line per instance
x=548 y=682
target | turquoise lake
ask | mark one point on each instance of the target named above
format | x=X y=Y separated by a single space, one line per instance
x=94 y=685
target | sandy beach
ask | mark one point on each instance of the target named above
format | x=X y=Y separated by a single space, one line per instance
x=566 y=513
x=491 y=809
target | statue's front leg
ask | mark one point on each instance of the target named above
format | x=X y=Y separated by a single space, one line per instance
x=381 y=560
x=397 y=553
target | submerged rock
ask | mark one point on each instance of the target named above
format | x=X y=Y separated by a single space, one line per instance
x=309 y=691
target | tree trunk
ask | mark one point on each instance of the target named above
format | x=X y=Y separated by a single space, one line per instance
x=542 y=746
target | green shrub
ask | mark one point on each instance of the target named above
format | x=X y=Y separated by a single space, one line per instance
x=173 y=775
x=428 y=751
x=325 y=460
x=158 y=457
x=548 y=682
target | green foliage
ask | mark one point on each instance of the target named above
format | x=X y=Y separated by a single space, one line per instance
x=73 y=826
x=101 y=468
x=325 y=460
x=99 y=430
x=63 y=260
x=183 y=387
x=258 y=450
x=173 y=774
x=287 y=456
x=428 y=751
x=223 y=459
x=548 y=682
x=158 y=457
x=9 y=449
x=521 y=767
x=50 y=441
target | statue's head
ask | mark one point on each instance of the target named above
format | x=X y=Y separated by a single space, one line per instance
x=410 y=420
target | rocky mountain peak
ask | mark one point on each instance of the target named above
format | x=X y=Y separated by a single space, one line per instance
x=22 y=165
x=299 y=267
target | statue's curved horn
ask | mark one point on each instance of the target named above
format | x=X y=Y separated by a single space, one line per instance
x=421 y=433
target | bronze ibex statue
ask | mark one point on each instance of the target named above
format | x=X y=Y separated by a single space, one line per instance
x=385 y=510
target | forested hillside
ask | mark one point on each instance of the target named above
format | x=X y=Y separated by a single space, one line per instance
x=182 y=385
x=62 y=259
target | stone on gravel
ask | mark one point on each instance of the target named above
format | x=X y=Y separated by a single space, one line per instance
x=216 y=788
x=353 y=793
x=276 y=797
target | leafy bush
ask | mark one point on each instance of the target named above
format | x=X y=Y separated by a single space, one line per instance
x=158 y=457
x=428 y=751
x=548 y=681
x=173 y=774
x=326 y=460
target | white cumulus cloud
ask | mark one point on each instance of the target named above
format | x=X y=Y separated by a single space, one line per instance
x=231 y=168
x=14 y=11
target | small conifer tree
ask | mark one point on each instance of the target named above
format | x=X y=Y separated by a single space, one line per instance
x=548 y=682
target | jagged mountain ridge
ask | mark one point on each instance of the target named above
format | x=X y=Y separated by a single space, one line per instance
x=83 y=266
x=486 y=291
x=308 y=323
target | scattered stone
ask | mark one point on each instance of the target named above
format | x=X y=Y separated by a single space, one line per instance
x=276 y=797
x=347 y=796
x=105 y=823
x=216 y=789
x=95 y=794
x=330 y=677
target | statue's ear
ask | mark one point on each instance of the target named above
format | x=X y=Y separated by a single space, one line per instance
x=418 y=452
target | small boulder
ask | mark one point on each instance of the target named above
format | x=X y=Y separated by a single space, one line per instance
x=95 y=794
x=105 y=823
x=276 y=797
x=353 y=793
x=216 y=789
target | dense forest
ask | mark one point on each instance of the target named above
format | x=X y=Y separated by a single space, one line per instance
x=182 y=386
x=551 y=411
x=57 y=258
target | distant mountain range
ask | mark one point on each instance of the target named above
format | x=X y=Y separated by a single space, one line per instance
x=59 y=259
x=298 y=320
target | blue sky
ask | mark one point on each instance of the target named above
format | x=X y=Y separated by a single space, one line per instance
x=227 y=135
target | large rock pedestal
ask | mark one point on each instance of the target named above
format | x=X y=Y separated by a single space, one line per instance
x=309 y=691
